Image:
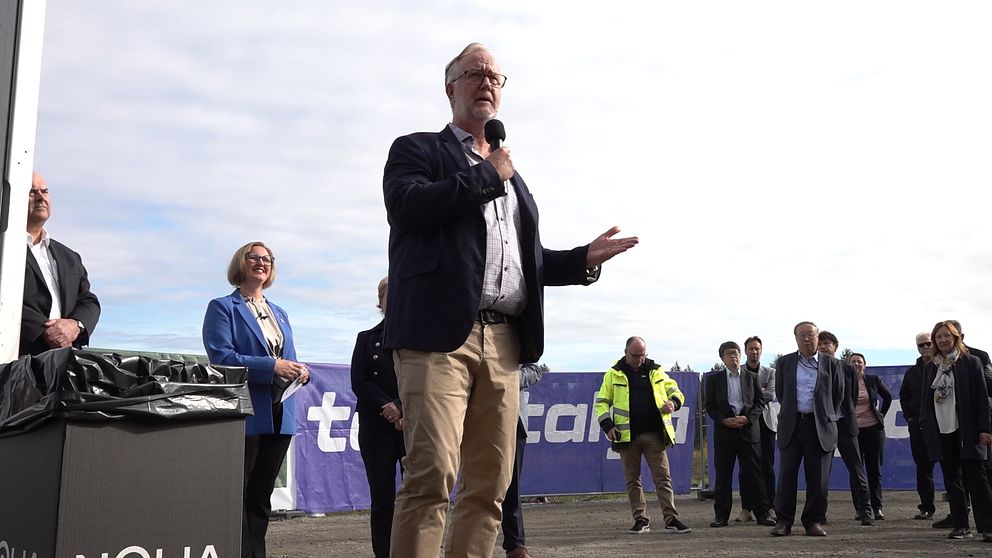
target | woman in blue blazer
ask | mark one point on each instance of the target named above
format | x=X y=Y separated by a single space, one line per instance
x=245 y=329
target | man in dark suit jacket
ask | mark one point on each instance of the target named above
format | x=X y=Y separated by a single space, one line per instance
x=847 y=436
x=733 y=399
x=910 y=397
x=810 y=387
x=59 y=310
x=466 y=276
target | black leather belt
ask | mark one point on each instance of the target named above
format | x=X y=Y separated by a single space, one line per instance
x=492 y=317
x=806 y=416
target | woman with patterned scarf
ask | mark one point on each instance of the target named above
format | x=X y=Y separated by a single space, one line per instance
x=955 y=420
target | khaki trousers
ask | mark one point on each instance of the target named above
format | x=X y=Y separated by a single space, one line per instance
x=459 y=410
x=652 y=447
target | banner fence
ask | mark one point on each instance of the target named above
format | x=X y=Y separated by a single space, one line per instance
x=566 y=452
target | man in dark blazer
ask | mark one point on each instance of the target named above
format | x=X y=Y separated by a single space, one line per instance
x=733 y=399
x=810 y=387
x=466 y=276
x=847 y=436
x=910 y=397
x=58 y=310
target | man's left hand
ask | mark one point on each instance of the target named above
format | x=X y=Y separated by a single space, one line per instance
x=605 y=247
x=984 y=439
x=668 y=407
x=60 y=333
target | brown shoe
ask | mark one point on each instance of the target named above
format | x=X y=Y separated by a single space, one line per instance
x=814 y=530
x=519 y=552
x=781 y=530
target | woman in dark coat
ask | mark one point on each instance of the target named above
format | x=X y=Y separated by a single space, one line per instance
x=380 y=425
x=955 y=420
x=871 y=427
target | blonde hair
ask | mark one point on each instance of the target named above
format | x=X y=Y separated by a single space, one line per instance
x=236 y=269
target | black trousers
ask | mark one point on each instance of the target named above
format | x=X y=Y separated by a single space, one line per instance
x=766 y=469
x=381 y=446
x=924 y=468
x=872 y=443
x=963 y=478
x=263 y=458
x=850 y=452
x=803 y=449
x=513 y=513
x=745 y=452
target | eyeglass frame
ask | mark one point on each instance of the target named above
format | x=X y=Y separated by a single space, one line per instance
x=268 y=260
x=489 y=77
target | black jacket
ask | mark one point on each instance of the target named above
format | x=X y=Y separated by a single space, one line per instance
x=876 y=390
x=372 y=376
x=718 y=407
x=971 y=399
x=911 y=392
x=78 y=303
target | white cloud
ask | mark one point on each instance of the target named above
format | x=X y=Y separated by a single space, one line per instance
x=780 y=161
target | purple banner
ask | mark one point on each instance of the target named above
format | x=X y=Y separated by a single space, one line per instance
x=898 y=468
x=563 y=435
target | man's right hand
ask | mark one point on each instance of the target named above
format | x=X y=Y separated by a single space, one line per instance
x=500 y=159
x=613 y=434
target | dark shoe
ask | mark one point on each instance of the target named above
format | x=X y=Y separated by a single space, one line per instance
x=519 y=552
x=676 y=526
x=986 y=537
x=866 y=520
x=718 y=523
x=641 y=525
x=946 y=523
x=924 y=515
x=781 y=530
x=814 y=530
x=766 y=521
x=960 y=533
x=879 y=515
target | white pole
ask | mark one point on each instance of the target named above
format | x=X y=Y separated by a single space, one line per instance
x=28 y=20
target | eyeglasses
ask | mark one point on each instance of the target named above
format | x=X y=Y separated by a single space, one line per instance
x=474 y=77
x=923 y=345
x=267 y=260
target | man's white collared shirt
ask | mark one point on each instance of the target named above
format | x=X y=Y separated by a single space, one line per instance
x=49 y=270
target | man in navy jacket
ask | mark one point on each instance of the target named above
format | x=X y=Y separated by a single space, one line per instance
x=466 y=278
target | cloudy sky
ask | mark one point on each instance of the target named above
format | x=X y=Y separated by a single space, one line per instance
x=780 y=161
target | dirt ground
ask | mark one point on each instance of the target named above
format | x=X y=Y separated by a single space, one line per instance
x=598 y=527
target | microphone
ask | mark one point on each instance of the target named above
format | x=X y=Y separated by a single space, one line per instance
x=495 y=134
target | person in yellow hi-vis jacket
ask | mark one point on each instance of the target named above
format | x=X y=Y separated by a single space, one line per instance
x=643 y=399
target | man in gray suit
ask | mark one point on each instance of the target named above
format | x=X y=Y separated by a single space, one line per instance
x=810 y=387
x=768 y=424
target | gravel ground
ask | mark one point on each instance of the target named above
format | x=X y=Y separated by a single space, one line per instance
x=598 y=527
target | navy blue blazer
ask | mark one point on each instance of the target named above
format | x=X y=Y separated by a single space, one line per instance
x=373 y=378
x=232 y=337
x=437 y=247
x=828 y=398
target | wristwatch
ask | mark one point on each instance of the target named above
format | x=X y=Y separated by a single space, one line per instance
x=80 y=325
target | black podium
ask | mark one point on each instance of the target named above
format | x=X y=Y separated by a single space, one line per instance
x=92 y=489
x=104 y=457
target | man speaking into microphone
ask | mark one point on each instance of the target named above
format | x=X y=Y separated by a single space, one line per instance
x=466 y=291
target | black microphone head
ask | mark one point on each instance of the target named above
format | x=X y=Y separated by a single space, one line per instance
x=495 y=133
